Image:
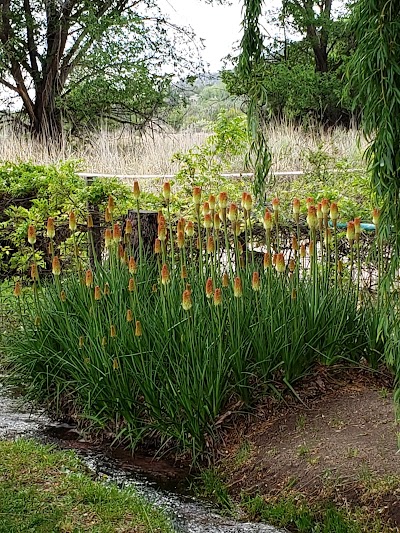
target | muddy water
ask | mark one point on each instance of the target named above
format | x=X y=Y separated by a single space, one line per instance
x=156 y=481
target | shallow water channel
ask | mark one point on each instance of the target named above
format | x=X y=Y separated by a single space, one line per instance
x=157 y=484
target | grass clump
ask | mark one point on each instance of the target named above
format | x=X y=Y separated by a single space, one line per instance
x=44 y=490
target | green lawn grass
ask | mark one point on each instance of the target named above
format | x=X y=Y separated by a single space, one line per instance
x=48 y=491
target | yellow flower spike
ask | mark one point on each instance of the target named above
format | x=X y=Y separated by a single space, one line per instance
x=312 y=219
x=205 y=209
x=17 y=289
x=138 y=329
x=233 y=212
x=311 y=248
x=217 y=222
x=31 y=234
x=223 y=200
x=81 y=342
x=160 y=218
x=184 y=273
x=296 y=208
x=180 y=239
x=292 y=265
x=165 y=277
x=131 y=285
x=111 y=204
x=197 y=195
x=63 y=296
x=180 y=226
x=121 y=253
x=267 y=260
x=209 y=288
x=187 y=300
x=189 y=229
x=334 y=213
x=210 y=245
x=247 y=201
x=34 y=271
x=107 y=215
x=157 y=246
x=217 y=297
x=325 y=206
x=357 y=228
x=72 y=221
x=129 y=315
x=225 y=280
x=89 y=221
x=56 y=266
x=132 y=266
x=104 y=341
x=267 y=221
x=117 y=234
x=107 y=238
x=207 y=222
x=320 y=214
x=162 y=231
x=38 y=321
x=295 y=244
x=310 y=201
x=350 y=233
x=212 y=202
x=255 y=282
x=115 y=364
x=97 y=293
x=136 y=190
x=50 y=228
x=237 y=288
x=376 y=213
x=303 y=251
x=89 y=278
x=128 y=227
x=275 y=204
x=280 y=263
x=106 y=290
x=167 y=191
x=113 y=331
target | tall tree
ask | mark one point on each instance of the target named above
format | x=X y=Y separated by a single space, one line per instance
x=43 y=42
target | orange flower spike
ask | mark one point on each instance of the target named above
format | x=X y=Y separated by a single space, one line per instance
x=180 y=226
x=107 y=238
x=165 y=277
x=72 y=221
x=210 y=245
x=350 y=233
x=334 y=213
x=267 y=221
x=31 y=234
x=320 y=214
x=89 y=278
x=129 y=315
x=131 y=285
x=207 y=221
x=162 y=231
x=225 y=280
x=113 y=331
x=50 y=228
x=212 y=202
x=17 y=289
x=167 y=191
x=275 y=204
x=197 y=195
x=217 y=222
x=357 y=228
x=160 y=218
x=117 y=234
x=310 y=201
x=312 y=219
x=205 y=209
x=128 y=227
x=56 y=266
x=223 y=200
x=189 y=228
x=111 y=204
x=132 y=266
x=180 y=239
x=138 y=329
x=296 y=207
x=97 y=293
x=280 y=263
x=295 y=244
x=233 y=212
x=217 y=297
x=34 y=271
x=255 y=282
x=157 y=246
x=237 y=288
x=247 y=202
x=267 y=260
x=376 y=213
x=136 y=190
x=107 y=215
x=209 y=288
x=121 y=253
x=325 y=206
x=187 y=300
x=184 y=273
x=292 y=265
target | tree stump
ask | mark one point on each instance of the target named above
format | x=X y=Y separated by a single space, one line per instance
x=148 y=230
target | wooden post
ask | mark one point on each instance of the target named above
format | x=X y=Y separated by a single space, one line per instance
x=148 y=230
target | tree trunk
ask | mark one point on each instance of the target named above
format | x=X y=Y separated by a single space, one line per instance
x=148 y=231
x=46 y=124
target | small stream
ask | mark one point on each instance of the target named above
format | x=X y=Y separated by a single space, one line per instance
x=153 y=479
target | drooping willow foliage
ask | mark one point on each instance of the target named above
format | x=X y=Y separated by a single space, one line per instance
x=375 y=71
x=249 y=69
